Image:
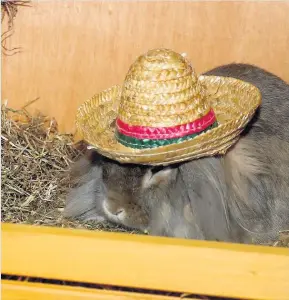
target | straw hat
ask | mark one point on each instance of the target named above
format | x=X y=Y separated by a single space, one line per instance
x=165 y=113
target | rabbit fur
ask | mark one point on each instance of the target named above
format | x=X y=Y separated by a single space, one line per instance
x=241 y=197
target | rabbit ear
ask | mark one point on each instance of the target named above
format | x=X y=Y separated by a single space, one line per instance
x=86 y=197
x=155 y=178
x=91 y=160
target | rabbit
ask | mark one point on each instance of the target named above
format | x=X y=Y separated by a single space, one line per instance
x=257 y=167
x=88 y=199
x=121 y=193
x=241 y=197
x=85 y=199
x=159 y=192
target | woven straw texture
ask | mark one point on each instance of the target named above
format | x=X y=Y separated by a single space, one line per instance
x=158 y=91
x=233 y=101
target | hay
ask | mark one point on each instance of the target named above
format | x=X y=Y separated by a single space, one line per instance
x=9 y=9
x=283 y=240
x=35 y=164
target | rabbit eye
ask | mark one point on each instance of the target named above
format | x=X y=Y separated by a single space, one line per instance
x=105 y=172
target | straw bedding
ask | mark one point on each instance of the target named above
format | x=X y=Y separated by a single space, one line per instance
x=35 y=164
x=9 y=10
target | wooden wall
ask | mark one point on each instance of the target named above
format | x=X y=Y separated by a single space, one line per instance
x=73 y=49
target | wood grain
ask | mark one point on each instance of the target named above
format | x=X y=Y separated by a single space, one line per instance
x=73 y=49
x=13 y=290
x=186 y=266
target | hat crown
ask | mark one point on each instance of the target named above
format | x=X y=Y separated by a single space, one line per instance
x=161 y=89
x=160 y=65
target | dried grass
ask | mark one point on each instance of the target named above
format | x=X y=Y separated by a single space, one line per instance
x=283 y=240
x=35 y=164
x=9 y=9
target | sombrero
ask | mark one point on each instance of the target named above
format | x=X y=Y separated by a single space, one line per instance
x=165 y=113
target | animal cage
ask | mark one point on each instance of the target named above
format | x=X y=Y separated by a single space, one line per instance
x=55 y=55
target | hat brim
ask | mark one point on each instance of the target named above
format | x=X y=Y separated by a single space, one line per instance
x=233 y=101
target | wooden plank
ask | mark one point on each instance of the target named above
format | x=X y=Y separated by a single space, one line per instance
x=14 y=290
x=187 y=266
x=73 y=49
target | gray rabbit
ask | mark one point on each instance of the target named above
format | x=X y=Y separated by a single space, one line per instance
x=85 y=199
x=91 y=199
x=240 y=197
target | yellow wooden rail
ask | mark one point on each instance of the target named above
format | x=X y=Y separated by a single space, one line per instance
x=197 y=267
x=13 y=290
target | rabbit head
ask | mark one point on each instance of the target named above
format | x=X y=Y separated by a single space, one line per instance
x=126 y=188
